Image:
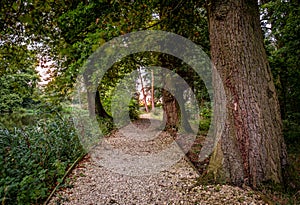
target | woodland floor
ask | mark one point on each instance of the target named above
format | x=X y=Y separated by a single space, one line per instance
x=94 y=183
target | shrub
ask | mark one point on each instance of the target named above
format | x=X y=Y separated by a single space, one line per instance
x=204 y=126
x=123 y=113
x=34 y=158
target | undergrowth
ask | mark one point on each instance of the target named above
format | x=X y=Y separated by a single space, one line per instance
x=34 y=158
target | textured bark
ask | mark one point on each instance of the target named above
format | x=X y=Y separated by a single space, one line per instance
x=251 y=148
x=174 y=111
x=185 y=125
x=171 y=115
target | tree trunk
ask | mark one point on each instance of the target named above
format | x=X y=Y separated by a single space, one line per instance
x=171 y=115
x=185 y=125
x=152 y=91
x=251 y=148
x=99 y=109
x=174 y=110
x=90 y=95
x=95 y=106
x=143 y=90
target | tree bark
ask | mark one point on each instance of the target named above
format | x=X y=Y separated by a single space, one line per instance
x=90 y=95
x=185 y=125
x=171 y=115
x=99 y=109
x=152 y=91
x=175 y=114
x=251 y=148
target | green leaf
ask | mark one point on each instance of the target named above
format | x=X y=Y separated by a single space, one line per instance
x=15 y=6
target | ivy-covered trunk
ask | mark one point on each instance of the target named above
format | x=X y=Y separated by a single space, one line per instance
x=251 y=148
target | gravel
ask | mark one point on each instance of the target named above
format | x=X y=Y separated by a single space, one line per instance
x=92 y=182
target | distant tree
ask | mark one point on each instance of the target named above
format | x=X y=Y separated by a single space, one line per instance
x=152 y=91
x=143 y=90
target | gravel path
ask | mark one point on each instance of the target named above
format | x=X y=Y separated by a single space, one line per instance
x=110 y=182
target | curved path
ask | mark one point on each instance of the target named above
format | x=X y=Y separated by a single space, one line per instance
x=92 y=182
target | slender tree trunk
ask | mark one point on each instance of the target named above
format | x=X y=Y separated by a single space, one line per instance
x=90 y=95
x=91 y=102
x=143 y=90
x=152 y=91
x=95 y=106
x=251 y=148
x=99 y=109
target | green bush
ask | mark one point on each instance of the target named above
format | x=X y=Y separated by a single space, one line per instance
x=205 y=112
x=105 y=124
x=204 y=125
x=133 y=109
x=122 y=112
x=34 y=158
x=205 y=118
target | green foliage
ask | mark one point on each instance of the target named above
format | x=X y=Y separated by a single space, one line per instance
x=34 y=158
x=206 y=111
x=121 y=112
x=105 y=124
x=281 y=28
x=133 y=109
x=15 y=91
x=204 y=126
x=88 y=25
x=205 y=118
x=80 y=36
x=18 y=78
x=291 y=130
x=19 y=119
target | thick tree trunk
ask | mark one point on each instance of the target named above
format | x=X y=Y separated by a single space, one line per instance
x=171 y=115
x=174 y=111
x=251 y=148
x=175 y=114
x=185 y=125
